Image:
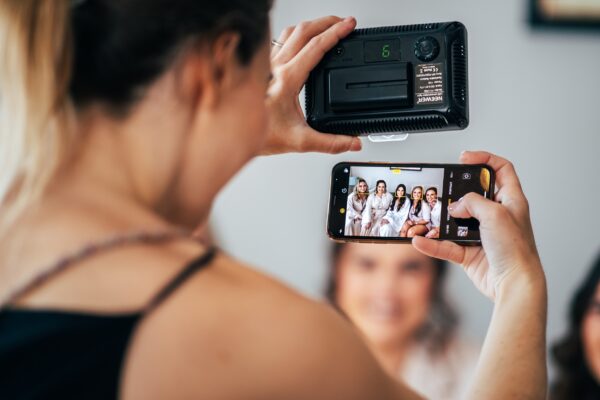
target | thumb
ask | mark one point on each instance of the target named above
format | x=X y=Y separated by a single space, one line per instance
x=472 y=205
x=444 y=250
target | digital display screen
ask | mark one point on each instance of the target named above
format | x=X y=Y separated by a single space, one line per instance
x=406 y=201
x=382 y=50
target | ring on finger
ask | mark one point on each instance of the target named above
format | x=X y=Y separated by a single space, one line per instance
x=276 y=43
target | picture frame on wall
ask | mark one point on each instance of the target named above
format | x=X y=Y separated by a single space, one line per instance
x=569 y=14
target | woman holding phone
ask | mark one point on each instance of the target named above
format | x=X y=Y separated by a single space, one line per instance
x=112 y=112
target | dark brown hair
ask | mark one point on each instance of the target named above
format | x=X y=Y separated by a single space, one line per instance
x=575 y=380
x=121 y=46
x=440 y=328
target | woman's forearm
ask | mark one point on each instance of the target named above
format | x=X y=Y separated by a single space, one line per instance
x=513 y=359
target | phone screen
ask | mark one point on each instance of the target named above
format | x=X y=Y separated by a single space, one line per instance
x=395 y=202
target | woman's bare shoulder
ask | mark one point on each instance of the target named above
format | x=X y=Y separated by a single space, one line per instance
x=231 y=331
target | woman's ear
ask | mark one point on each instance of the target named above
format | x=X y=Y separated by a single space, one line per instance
x=224 y=56
x=208 y=70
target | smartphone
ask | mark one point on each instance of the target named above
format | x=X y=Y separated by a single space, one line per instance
x=393 y=202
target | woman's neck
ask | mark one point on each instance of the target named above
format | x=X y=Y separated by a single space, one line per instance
x=392 y=357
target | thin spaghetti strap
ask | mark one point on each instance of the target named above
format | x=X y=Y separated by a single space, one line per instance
x=193 y=267
x=140 y=237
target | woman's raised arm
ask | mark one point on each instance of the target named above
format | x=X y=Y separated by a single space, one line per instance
x=508 y=270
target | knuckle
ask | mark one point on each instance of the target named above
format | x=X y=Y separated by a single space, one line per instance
x=288 y=30
x=497 y=212
x=318 y=43
x=302 y=28
x=284 y=74
x=470 y=196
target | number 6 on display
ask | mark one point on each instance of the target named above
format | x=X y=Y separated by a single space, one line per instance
x=385 y=51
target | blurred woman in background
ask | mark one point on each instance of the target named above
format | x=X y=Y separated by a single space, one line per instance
x=395 y=297
x=355 y=207
x=419 y=215
x=377 y=205
x=394 y=219
x=577 y=355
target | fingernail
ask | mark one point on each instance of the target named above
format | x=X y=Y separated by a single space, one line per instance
x=356 y=145
x=349 y=19
x=451 y=207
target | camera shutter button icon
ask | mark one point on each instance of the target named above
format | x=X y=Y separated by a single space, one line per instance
x=344 y=190
x=466 y=176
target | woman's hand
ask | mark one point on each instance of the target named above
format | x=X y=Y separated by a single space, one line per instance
x=304 y=45
x=433 y=233
x=508 y=252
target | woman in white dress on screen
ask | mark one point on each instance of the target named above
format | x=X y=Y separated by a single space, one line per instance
x=377 y=205
x=431 y=195
x=357 y=201
x=419 y=215
x=393 y=221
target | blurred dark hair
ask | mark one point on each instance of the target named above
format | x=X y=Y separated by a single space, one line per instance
x=398 y=202
x=575 y=380
x=443 y=320
x=121 y=46
x=431 y=188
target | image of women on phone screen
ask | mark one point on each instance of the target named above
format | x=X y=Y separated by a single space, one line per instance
x=394 y=219
x=357 y=200
x=377 y=205
x=431 y=195
x=419 y=215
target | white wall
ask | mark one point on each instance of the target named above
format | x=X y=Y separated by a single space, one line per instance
x=534 y=98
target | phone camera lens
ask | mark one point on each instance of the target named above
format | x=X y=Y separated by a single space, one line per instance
x=427 y=48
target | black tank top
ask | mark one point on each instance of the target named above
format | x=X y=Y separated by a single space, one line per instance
x=47 y=354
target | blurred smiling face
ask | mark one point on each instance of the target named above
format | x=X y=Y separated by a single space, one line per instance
x=431 y=196
x=362 y=187
x=385 y=290
x=417 y=193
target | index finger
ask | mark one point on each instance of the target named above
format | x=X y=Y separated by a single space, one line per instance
x=505 y=171
x=510 y=192
x=311 y=54
x=300 y=35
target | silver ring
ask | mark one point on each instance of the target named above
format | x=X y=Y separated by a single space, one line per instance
x=276 y=43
